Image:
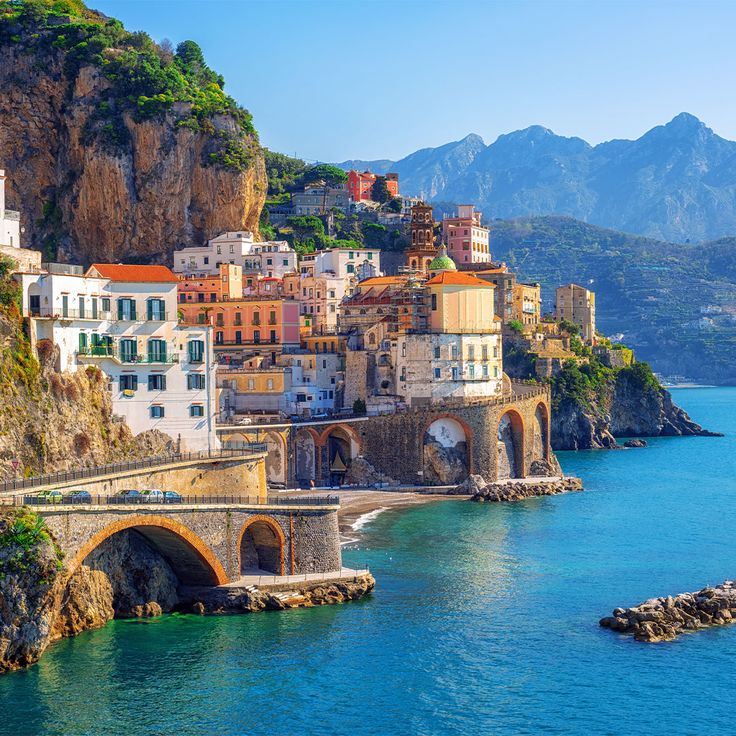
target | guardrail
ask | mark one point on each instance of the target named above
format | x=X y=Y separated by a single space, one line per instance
x=37 y=481
x=174 y=499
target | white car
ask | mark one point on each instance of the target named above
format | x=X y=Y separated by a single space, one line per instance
x=153 y=495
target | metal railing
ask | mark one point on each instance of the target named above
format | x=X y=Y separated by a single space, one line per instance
x=122 y=356
x=141 y=499
x=65 y=476
x=100 y=315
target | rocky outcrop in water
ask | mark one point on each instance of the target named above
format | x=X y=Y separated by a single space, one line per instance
x=520 y=490
x=253 y=600
x=663 y=619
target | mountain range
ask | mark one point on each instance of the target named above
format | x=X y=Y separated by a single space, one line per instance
x=677 y=182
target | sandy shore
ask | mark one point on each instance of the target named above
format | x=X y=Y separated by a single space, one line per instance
x=358 y=507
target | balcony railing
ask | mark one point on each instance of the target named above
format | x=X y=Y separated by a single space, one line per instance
x=60 y=313
x=113 y=352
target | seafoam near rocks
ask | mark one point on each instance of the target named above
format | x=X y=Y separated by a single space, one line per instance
x=663 y=619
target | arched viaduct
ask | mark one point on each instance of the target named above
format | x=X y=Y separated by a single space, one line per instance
x=438 y=444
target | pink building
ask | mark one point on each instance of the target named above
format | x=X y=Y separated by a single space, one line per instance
x=466 y=238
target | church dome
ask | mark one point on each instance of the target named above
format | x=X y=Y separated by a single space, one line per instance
x=442 y=262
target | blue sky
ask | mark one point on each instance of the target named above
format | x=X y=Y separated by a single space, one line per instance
x=341 y=79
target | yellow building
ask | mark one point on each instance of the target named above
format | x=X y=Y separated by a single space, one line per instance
x=527 y=304
x=577 y=304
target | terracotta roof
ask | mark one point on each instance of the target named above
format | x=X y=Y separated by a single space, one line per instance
x=457 y=278
x=382 y=281
x=493 y=270
x=131 y=273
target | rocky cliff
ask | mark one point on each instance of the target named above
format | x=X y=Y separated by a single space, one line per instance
x=628 y=402
x=116 y=148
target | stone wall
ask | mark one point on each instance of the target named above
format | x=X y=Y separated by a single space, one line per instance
x=235 y=477
x=394 y=444
x=203 y=544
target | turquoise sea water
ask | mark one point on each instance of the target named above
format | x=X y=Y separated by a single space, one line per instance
x=484 y=621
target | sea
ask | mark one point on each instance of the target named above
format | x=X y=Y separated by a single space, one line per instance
x=484 y=621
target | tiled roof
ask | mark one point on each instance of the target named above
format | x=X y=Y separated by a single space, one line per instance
x=132 y=273
x=382 y=281
x=457 y=278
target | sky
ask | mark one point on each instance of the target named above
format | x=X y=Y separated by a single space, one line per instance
x=331 y=80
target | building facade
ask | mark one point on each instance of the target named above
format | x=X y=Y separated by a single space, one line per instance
x=360 y=185
x=466 y=238
x=577 y=304
x=319 y=199
x=123 y=319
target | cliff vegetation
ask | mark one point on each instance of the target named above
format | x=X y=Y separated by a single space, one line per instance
x=118 y=147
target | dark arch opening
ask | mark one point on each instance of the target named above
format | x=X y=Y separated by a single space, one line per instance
x=261 y=550
x=510 y=443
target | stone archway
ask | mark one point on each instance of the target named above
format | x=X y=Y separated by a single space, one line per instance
x=540 y=449
x=340 y=447
x=510 y=446
x=190 y=558
x=445 y=451
x=306 y=469
x=262 y=547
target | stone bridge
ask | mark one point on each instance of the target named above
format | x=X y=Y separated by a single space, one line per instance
x=209 y=543
x=502 y=437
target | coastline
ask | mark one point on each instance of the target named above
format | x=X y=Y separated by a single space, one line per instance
x=359 y=507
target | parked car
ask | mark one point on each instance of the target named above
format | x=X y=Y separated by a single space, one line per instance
x=51 y=496
x=80 y=497
x=128 y=496
x=152 y=495
x=172 y=497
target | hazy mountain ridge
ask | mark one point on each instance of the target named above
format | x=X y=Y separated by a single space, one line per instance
x=676 y=182
x=674 y=303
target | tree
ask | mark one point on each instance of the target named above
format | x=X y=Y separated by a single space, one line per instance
x=307 y=232
x=359 y=407
x=516 y=326
x=330 y=175
x=394 y=205
x=374 y=235
x=380 y=191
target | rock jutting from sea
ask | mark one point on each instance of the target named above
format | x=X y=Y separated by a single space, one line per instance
x=516 y=490
x=664 y=619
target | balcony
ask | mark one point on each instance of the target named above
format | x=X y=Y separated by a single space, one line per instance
x=124 y=357
x=71 y=314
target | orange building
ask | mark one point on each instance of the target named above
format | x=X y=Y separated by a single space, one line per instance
x=360 y=185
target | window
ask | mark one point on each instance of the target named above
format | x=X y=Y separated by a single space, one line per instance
x=156 y=310
x=206 y=260
x=434 y=302
x=126 y=309
x=157 y=412
x=257 y=337
x=251 y=384
x=351 y=268
x=196 y=351
x=238 y=318
x=81 y=307
x=157 y=382
x=256 y=318
x=196 y=410
x=64 y=305
x=128 y=382
x=471 y=370
x=437 y=373
x=105 y=303
x=471 y=352
x=437 y=353
x=455 y=374
x=272 y=317
x=156 y=351
x=219 y=337
x=453 y=352
x=195 y=381
x=128 y=350
x=82 y=343
x=269 y=384
x=285 y=262
x=485 y=371
x=272 y=336
x=200 y=297
x=495 y=351
x=238 y=337
x=220 y=319
x=485 y=352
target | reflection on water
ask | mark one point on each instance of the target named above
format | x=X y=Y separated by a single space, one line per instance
x=484 y=621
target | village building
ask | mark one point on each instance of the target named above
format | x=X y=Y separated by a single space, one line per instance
x=319 y=199
x=268 y=258
x=123 y=319
x=466 y=238
x=422 y=249
x=360 y=185
x=576 y=304
x=10 y=232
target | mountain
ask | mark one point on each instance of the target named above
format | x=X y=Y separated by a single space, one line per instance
x=677 y=182
x=116 y=148
x=674 y=303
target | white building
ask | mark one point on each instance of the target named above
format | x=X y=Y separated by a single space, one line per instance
x=123 y=319
x=345 y=263
x=269 y=258
x=9 y=220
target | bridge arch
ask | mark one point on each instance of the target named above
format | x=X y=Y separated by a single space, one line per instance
x=446 y=449
x=262 y=546
x=510 y=446
x=341 y=444
x=191 y=559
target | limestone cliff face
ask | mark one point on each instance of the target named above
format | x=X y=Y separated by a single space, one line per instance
x=627 y=408
x=89 y=201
